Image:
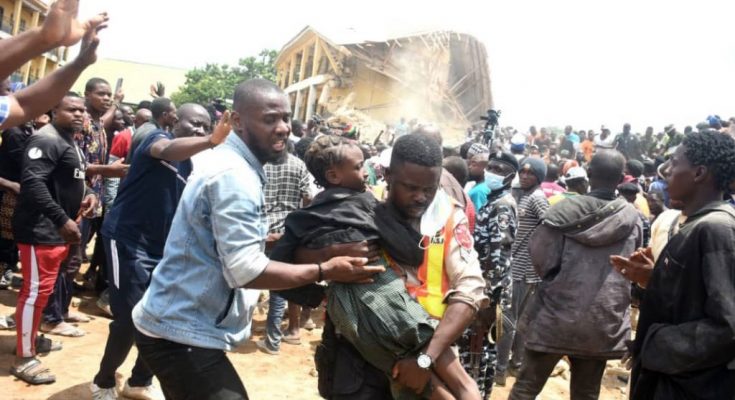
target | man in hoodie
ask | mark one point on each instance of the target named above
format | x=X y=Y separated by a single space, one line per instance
x=581 y=308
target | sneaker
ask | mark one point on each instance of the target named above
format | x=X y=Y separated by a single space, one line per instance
x=264 y=347
x=16 y=282
x=45 y=345
x=5 y=281
x=150 y=392
x=8 y=279
x=99 y=393
x=309 y=324
x=7 y=322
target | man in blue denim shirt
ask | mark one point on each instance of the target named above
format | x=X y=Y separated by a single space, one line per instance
x=196 y=307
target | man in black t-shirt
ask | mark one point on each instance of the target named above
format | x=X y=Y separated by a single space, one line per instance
x=53 y=195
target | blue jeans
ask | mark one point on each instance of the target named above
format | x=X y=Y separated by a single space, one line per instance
x=276 y=308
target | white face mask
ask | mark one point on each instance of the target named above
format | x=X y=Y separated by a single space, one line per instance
x=435 y=216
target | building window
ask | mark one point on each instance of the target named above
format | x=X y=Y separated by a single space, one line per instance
x=5 y=26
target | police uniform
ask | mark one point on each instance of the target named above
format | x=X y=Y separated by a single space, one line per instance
x=449 y=273
x=451 y=268
x=494 y=233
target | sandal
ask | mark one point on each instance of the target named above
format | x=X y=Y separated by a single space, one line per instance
x=33 y=372
x=45 y=345
x=291 y=339
x=76 y=318
x=62 y=329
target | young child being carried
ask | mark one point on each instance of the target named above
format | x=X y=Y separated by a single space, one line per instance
x=380 y=319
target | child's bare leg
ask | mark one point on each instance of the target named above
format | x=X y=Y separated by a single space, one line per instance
x=439 y=390
x=456 y=379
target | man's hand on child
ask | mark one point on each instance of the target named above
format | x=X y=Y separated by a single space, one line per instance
x=349 y=270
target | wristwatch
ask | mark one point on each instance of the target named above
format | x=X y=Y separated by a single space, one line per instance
x=424 y=361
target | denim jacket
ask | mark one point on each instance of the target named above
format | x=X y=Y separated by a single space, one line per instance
x=214 y=248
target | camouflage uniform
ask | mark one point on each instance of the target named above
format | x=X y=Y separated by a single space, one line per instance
x=494 y=234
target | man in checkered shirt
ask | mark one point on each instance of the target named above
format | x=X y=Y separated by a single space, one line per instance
x=287 y=189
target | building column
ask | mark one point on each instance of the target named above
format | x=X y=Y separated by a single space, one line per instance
x=317 y=57
x=42 y=67
x=292 y=71
x=27 y=66
x=17 y=15
x=310 y=100
x=297 y=107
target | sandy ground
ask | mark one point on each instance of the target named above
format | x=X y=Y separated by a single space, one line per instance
x=289 y=375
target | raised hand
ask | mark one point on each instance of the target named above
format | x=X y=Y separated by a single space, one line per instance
x=221 y=130
x=90 y=42
x=61 y=27
x=638 y=268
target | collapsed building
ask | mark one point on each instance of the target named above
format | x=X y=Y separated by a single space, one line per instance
x=433 y=76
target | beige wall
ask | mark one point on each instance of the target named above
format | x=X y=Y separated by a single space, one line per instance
x=137 y=78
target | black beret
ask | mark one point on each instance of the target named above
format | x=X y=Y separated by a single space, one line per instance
x=505 y=157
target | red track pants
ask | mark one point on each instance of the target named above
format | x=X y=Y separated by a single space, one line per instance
x=40 y=265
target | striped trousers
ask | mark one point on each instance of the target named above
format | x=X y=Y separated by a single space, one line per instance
x=40 y=266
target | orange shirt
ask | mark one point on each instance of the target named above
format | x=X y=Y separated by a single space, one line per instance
x=588 y=148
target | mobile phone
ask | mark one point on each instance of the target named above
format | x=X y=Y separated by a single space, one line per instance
x=118 y=86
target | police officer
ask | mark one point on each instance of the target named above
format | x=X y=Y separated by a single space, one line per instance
x=494 y=233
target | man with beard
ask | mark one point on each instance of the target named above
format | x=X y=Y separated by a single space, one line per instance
x=52 y=195
x=134 y=233
x=218 y=237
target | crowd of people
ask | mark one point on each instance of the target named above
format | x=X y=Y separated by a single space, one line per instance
x=442 y=270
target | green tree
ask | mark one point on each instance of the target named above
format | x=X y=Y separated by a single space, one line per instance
x=218 y=81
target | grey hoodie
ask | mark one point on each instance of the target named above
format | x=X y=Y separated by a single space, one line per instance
x=582 y=305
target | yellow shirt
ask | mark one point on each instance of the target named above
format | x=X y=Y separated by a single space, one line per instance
x=561 y=196
x=660 y=230
x=642 y=205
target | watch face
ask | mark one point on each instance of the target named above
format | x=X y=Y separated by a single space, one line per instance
x=424 y=361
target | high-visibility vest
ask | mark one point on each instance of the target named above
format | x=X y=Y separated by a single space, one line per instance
x=434 y=281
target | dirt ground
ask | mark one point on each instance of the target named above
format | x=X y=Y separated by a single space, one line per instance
x=290 y=375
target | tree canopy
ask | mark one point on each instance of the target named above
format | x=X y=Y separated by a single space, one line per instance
x=218 y=81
